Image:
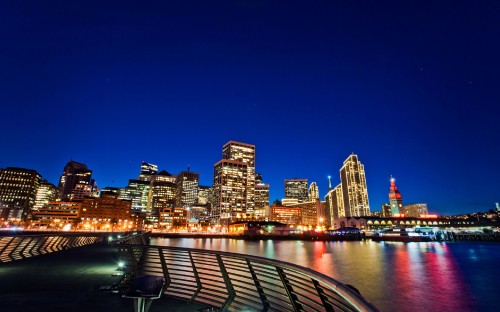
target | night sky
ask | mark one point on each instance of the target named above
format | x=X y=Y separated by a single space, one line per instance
x=412 y=88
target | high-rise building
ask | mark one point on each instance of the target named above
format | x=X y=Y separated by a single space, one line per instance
x=354 y=190
x=313 y=192
x=395 y=198
x=334 y=205
x=234 y=182
x=244 y=153
x=137 y=192
x=75 y=182
x=261 y=196
x=147 y=171
x=187 y=188
x=45 y=193
x=163 y=192
x=203 y=195
x=297 y=189
x=258 y=178
x=18 y=188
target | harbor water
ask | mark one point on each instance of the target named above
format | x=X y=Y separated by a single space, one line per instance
x=431 y=276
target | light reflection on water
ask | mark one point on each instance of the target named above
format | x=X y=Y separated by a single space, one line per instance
x=394 y=276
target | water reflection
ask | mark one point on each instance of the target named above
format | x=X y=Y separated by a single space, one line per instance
x=394 y=276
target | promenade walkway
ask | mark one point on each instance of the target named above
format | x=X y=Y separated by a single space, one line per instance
x=70 y=280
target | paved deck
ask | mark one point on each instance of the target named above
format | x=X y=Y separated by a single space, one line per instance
x=69 y=281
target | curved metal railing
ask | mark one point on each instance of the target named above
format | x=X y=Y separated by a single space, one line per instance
x=238 y=282
x=18 y=247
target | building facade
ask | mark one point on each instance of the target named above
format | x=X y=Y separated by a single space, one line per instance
x=313 y=192
x=18 y=189
x=354 y=189
x=75 y=182
x=187 y=188
x=334 y=205
x=395 y=198
x=297 y=189
x=45 y=193
x=234 y=183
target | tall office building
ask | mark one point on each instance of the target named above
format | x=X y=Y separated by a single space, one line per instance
x=261 y=196
x=297 y=189
x=334 y=205
x=187 y=188
x=234 y=182
x=163 y=192
x=18 y=188
x=354 y=190
x=45 y=193
x=75 y=182
x=395 y=198
x=313 y=192
x=137 y=192
x=147 y=171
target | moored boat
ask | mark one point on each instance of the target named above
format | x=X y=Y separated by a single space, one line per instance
x=402 y=235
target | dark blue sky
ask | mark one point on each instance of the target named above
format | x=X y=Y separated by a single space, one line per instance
x=412 y=88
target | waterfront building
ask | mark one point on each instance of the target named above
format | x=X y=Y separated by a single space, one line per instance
x=180 y=217
x=386 y=211
x=203 y=195
x=414 y=210
x=334 y=205
x=137 y=192
x=18 y=188
x=354 y=189
x=147 y=171
x=234 y=183
x=45 y=193
x=57 y=215
x=286 y=215
x=163 y=192
x=313 y=192
x=297 y=189
x=165 y=218
x=187 y=188
x=311 y=212
x=75 y=182
x=106 y=212
x=395 y=198
x=261 y=197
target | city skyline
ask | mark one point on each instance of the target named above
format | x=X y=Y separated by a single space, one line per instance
x=410 y=88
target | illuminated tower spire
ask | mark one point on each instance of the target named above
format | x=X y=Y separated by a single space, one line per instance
x=395 y=198
x=329 y=182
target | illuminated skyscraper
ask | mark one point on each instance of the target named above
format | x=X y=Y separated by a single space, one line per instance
x=354 y=190
x=297 y=189
x=163 y=191
x=187 y=188
x=261 y=196
x=18 y=188
x=45 y=193
x=395 y=198
x=234 y=182
x=75 y=182
x=334 y=205
x=147 y=171
x=313 y=192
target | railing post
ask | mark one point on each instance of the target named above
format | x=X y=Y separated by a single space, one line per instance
x=328 y=307
x=260 y=290
x=289 y=290
x=196 y=276
x=229 y=286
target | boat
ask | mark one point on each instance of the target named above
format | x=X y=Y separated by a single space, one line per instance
x=402 y=235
